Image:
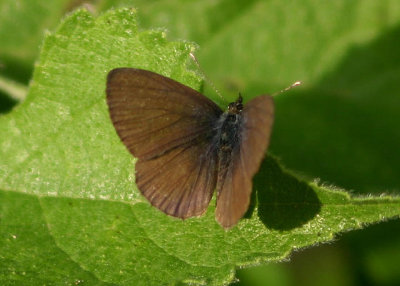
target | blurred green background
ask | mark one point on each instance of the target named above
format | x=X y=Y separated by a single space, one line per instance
x=341 y=126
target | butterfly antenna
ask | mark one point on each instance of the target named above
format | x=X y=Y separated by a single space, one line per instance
x=297 y=83
x=206 y=77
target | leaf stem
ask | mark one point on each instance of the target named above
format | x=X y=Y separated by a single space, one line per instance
x=14 y=89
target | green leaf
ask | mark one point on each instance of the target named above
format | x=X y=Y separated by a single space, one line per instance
x=29 y=253
x=67 y=182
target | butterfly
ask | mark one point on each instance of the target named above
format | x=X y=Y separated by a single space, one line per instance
x=187 y=146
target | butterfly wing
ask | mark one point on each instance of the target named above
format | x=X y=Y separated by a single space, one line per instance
x=169 y=127
x=154 y=114
x=182 y=181
x=235 y=190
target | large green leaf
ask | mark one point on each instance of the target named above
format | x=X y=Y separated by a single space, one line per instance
x=68 y=187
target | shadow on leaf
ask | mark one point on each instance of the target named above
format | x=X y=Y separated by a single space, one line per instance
x=6 y=103
x=284 y=202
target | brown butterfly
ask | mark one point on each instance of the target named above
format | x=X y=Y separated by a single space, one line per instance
x=186 y=145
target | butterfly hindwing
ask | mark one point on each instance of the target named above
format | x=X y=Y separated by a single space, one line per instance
x=180 y=182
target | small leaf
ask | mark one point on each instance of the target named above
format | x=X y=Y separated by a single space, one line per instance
x=67 y=182
x=22 y=25
x=22 y=29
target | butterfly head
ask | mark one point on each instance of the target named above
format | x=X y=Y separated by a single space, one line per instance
x=237 y=106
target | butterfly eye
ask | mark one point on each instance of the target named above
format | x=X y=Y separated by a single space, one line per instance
x=232 y=107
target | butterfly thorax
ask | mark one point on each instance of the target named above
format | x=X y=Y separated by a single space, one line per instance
x=229 y=136
x=230 y=124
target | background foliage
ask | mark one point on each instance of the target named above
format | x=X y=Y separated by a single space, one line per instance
x=341 y=126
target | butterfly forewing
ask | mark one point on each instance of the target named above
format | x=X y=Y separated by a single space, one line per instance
x=169 y=127
x=235 y=190
x=154 y=114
